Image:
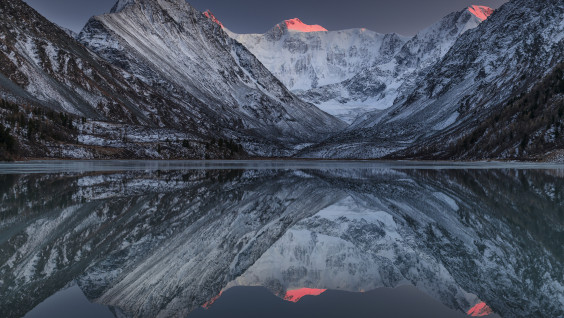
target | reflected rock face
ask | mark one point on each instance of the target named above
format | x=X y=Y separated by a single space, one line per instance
x=151 y=244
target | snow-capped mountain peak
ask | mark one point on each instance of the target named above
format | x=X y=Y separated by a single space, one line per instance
x=481 y=12
x=212 y=17
x=308 y=56
x=297 y=25
x=350 y=72
x=377 y=86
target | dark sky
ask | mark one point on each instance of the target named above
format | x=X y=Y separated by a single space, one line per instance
x=257 y=16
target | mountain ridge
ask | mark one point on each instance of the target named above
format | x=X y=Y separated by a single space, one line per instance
x=103 y=78
x=226 y=78
x=166 y=75
x=351 y=72
x=486 y=67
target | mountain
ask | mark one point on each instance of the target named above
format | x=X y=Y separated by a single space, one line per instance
x=306 y=57
x=486 y=68
x=351 y=72
x=60 y=100
x=179 y=51
x=144 y=95
x=528 y=127
x=377 y=87
x=158 y=79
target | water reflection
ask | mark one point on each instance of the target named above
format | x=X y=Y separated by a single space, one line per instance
x=152 y=243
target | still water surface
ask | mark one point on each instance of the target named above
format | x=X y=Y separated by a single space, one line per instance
x=279 y=239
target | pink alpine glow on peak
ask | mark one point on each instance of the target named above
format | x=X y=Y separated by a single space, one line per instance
x=295 y=295
x=480 y=310
x=481 y=12
x=297 y=25
x=212 y=17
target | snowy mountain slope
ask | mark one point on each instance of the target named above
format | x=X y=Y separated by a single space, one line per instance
x=176 y=49
x=351 y=72
x=529 y=127
x=306 y=57
x=377 y=87
x=502 y=58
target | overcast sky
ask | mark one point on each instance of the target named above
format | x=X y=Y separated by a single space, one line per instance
x=258 y=16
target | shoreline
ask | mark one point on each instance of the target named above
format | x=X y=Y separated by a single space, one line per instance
x=84 y=166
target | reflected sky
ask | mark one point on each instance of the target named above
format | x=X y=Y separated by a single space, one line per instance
x=69 y=303
x=168 y=238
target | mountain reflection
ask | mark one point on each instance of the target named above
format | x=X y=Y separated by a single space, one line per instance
x=163 y=243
